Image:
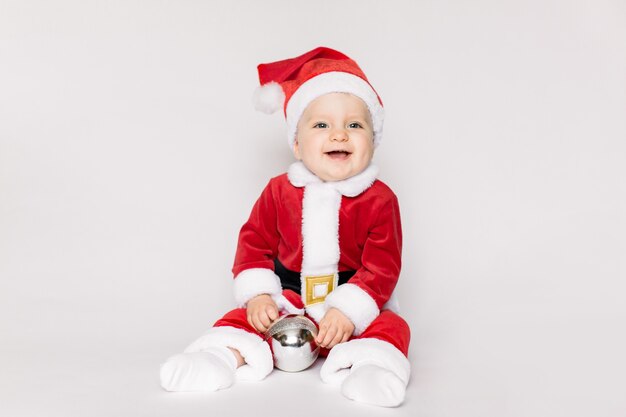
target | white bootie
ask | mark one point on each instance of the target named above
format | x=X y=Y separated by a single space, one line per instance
x=255 y=352
x=210 y=370
x=372 y=384
x=209 y=365
x=368 y=370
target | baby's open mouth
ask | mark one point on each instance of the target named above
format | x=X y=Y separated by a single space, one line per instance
x=338 y=154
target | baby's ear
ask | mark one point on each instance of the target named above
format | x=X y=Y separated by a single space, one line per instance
x=296 y=150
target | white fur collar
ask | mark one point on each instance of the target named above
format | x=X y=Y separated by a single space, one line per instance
x=300 y=176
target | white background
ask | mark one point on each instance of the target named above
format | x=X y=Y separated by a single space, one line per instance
x=130 y=155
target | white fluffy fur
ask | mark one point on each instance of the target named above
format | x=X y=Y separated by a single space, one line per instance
x=269 y=97
x=334 y=82
x=252 y=282
x=259 y=361
x=354 y=186
x=356 y=304
x=320 y=229
x=300 y=176
x=359 y=352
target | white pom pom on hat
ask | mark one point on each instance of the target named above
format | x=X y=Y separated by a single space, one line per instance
x=269 y=98
x=293 y=83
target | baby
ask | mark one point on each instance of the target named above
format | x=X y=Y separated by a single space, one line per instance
x=324 y=240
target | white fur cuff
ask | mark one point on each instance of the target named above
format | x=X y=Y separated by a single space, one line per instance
x=356 y=304
x=252 y=282
x=259 y=361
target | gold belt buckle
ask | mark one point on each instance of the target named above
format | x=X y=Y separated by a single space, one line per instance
x=318 y=287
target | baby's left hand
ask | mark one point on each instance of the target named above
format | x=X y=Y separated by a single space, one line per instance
x=334 y=328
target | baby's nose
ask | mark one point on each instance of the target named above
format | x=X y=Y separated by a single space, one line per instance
x=339 y=135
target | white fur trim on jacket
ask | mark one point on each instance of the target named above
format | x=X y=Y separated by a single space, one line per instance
x=257 y=353
x=255 y=281
x=300 y=176
x=359 y=352
x=320 y=229
x=356 y=304
x=333 y=82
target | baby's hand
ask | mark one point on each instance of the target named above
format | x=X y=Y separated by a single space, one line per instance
x=335 y=328
x=261 y=312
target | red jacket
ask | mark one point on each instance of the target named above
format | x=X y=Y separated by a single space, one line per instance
x=369 y=229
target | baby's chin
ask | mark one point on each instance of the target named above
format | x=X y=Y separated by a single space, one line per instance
x=336 y=174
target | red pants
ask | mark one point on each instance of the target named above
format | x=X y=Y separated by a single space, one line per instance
x=388 y=326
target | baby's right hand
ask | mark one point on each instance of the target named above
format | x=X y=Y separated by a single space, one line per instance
x=261 y=312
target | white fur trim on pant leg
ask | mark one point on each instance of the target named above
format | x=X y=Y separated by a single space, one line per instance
x=255 y=281
x=257 y=353
x=356 y=304
x=359 y=352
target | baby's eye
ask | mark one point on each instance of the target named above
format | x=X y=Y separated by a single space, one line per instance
x=320 y=125
x=355 y=125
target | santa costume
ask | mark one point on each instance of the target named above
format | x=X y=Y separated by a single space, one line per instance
x=314 y=245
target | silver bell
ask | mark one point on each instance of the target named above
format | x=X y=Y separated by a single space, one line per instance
x=292 y=340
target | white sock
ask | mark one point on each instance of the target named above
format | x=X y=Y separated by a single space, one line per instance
x=374 y=385
x=209 y=370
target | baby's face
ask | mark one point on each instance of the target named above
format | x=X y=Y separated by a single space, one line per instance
x=335 y=139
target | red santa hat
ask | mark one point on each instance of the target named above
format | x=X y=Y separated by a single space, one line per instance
x=293 y=83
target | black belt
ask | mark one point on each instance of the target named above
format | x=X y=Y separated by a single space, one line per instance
x=290 y=280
